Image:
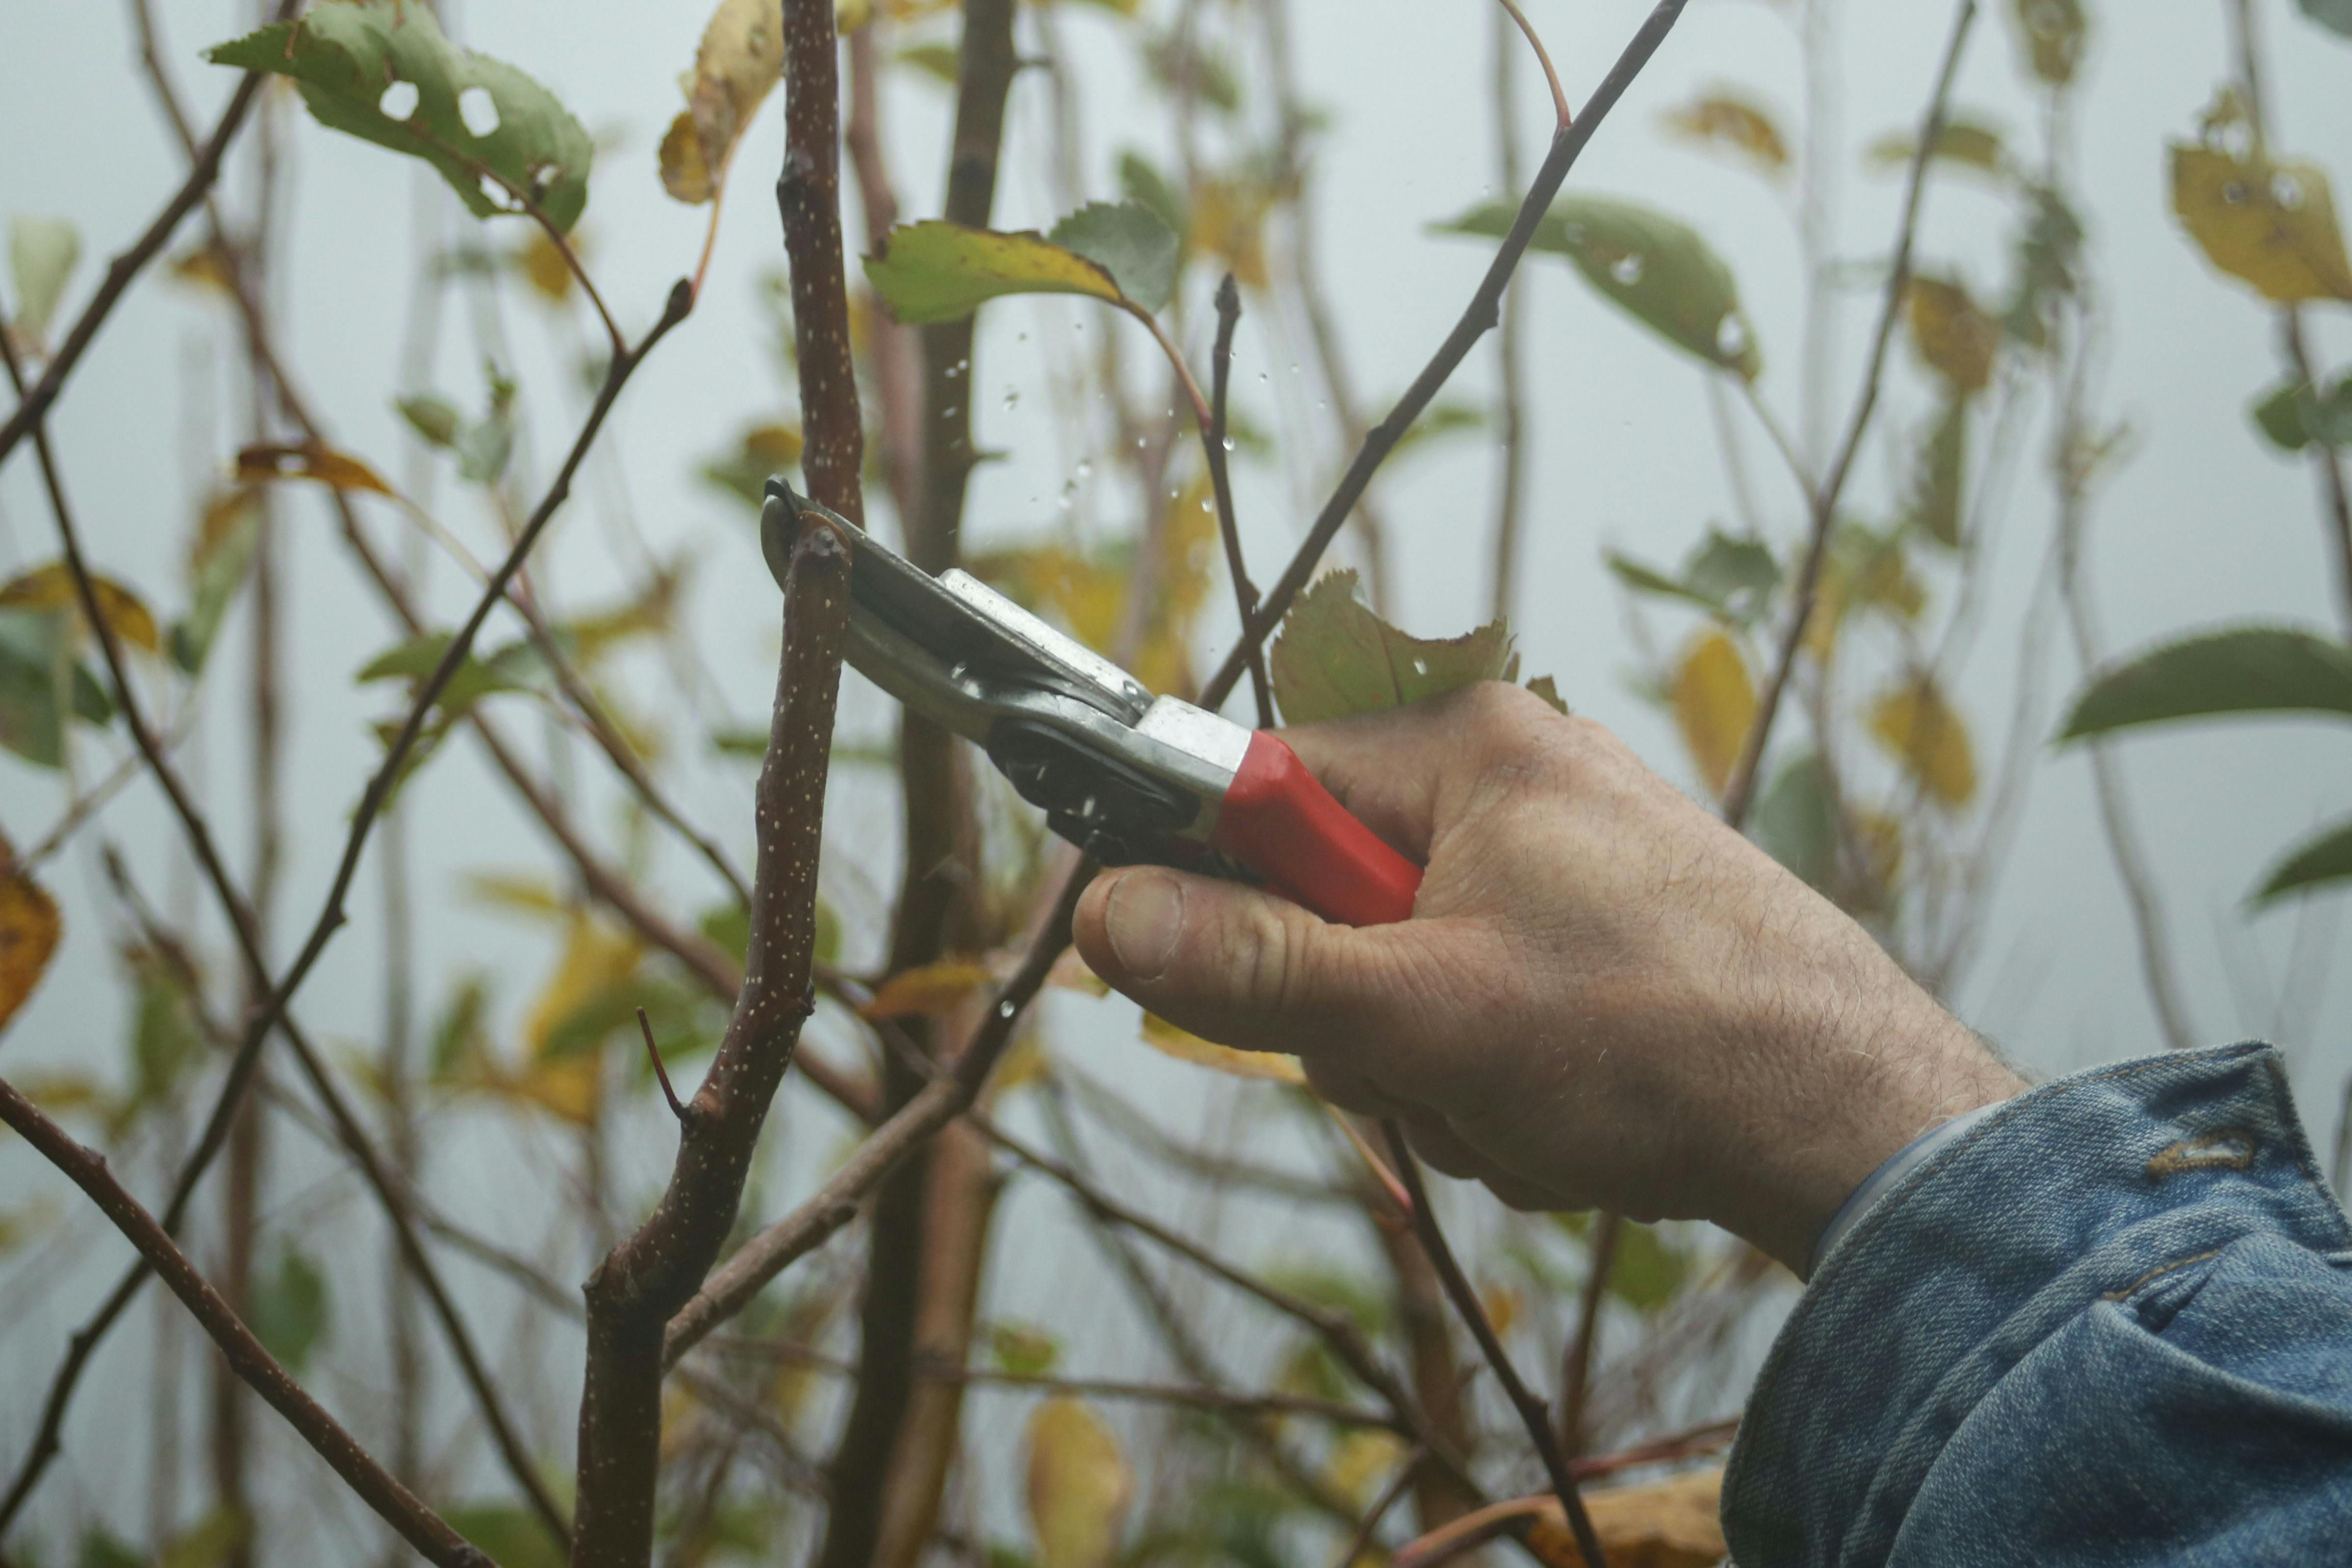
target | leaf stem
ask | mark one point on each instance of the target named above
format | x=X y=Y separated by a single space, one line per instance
x=1559 y=95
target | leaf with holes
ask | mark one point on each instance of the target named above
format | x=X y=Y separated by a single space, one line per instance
x=1952 y=333
x=1128 y=240
x=290 y=1310
x=29 y=928
x=2325 y=857
x=498 y=138
x=1265 y=1066
x=741 y=58
x=42 y=252
x=1335 y=657
x=1714 y=703
x=2247 y=669
x=1962 y=142
x=1079 y=1486
x=1729 y=119
x=1920 y=730
x=1656 y=267
x=2271 y=224
x=52 y=587
x=337 y=470
x=939 y=271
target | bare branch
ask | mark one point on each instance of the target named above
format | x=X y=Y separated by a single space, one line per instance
x=417 y=1524
x=1214 y=445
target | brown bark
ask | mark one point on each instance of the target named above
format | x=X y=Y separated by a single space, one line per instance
x=1438 y=1496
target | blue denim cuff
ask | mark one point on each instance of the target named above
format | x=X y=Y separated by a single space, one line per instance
x=1887 y=1176
x=2010 y=1236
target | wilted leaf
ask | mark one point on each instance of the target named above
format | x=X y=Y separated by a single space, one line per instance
x=1970 y=143
x=1796 y=820
x=208 y=266
x=1335 y=657
x=29 y=927
x=939 y=271
x=2053 y=33
x=1656 y=267
x=2294 y=414
x=494 y=133
x=1671 y=1524
x=2336 y=15
x=513 y=1536
x=2250 y=669
x=761 y=453
x=2325 y=857
x=1079 y=1486
x=1128 y=240
x=1938 y=475
x=1920 y=729
x=338 y=470
x=741 y=57
x=1715 y=702
x=929 y=989
x=1024 y=1350
x=1169 y=1040
x=42 y=685
x=1953 y=335
x=1727 y=119
x=2270 y=223
x=289 y=1310
x=51 y=587
x=41 y=256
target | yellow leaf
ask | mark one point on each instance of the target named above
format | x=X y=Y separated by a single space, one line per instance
x=1714 y=703
x=517 y=893
x=60 y=1091
x=1880 y=838
x=207 y=266
x=740 y=57
x=939 y=271
x=51 y=587
x=340 y=470
x=1920 y=729
x=594 y=959
x=1228 y=222
x=1952 y=333
x=1360 y=1462
x=29 y=926
x=1725 y=118
x=1502 y=1304
x=1169 y=1040
x=544 y=267
x=1666 y=1524
x=931 y=988
x=1079 y=1486
x=2270 y=223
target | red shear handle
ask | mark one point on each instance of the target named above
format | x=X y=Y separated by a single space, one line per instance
x=1280 y=822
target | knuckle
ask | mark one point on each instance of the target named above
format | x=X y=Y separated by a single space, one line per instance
x=1268 y=966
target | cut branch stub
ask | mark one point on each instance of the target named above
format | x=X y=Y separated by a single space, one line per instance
x=473 y=117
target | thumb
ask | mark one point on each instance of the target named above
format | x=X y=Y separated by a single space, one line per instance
x=1230 y=962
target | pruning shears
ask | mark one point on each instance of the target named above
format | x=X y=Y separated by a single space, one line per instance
x=1127 y=777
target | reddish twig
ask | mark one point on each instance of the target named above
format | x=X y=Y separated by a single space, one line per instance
x=1481 y=313
x=1530 y=1408
x=1559 y=95
x=1214 y=445
x=661 y=1072
x=396 y=1504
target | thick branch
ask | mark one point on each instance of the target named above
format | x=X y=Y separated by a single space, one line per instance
x=1740 y=793
x=417 y=1524
x=646 y=1278
x=1481 y=313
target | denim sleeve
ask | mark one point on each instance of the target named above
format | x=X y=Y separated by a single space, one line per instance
x=2109 y=1325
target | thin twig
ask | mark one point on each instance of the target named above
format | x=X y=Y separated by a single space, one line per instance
x=1510 y=391
x=1576 y=1366
x=1481 y=313
x=1559 y=95
x=1214 y=445
x=661 y=1073
x=1739 y=791
x=1464 y=1296
x=1399 y=1484
x=396 y=1504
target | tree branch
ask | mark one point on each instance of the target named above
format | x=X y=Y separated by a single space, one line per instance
x=1481 y=313
x=417 y=1524
x=1213 y=446
x=1739 y=791
x=1531 y=1411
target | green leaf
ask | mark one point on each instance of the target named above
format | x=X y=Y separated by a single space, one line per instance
x=2048 y=251
x=1729 y=578
x=99 y=1549
x=289 y=1310
x=517 y=667
x=462 y=1033
x=1336 y=658
x=1439 y=420
x=42 y=685
x=2326 y=856
x=513 y=1537
x=1655 y=267
x=939 y=271
x=1649 y=1269
x=1963 y=140
x=1796 y=821
x=431 y=417
x=165 y=1039
x=210 y=1542
x=41 y=256
x=477 y=120
x=1024 y=1350
x=228 y=533
x=1128 y=240
x=2292 y=415
x=2053 y=33
x=1140 y=182
x=2250 y=669
x=2336 y=15
x=1938 y=472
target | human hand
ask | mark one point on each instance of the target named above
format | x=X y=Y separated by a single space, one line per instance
x=1605 y=997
